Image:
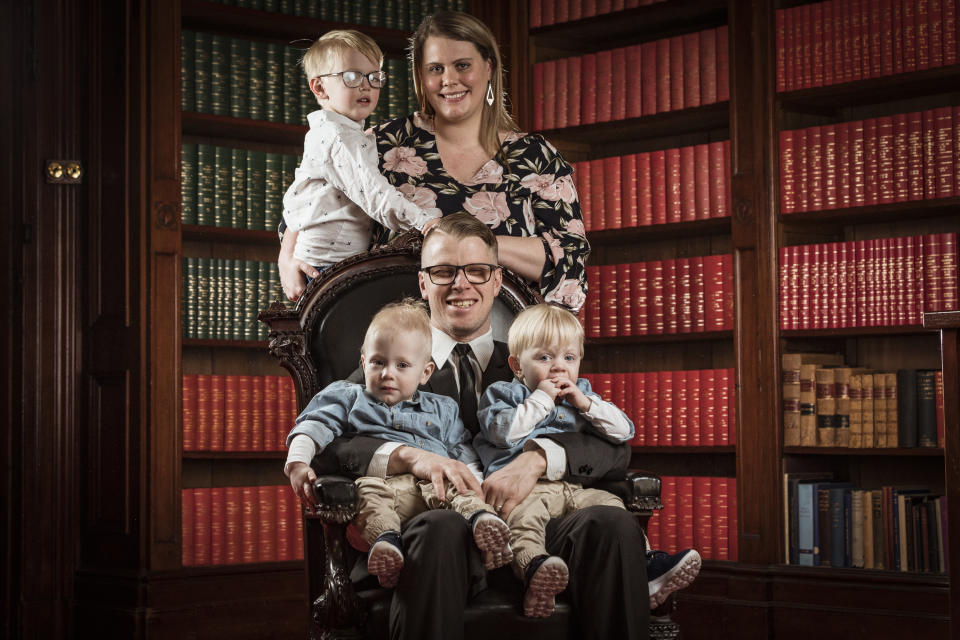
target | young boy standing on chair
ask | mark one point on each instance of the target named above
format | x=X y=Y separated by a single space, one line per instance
x=548 y=396
x=395 y=358
x=337 y=188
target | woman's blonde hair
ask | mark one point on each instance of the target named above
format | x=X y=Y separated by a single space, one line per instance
x=466 y=28
x=409 y=314
x=330 y=47
x=544 y=325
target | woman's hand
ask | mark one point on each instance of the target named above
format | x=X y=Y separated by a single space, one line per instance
x=293 y=271
x=505 y=488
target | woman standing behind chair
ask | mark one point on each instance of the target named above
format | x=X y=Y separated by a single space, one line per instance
x=463 y=152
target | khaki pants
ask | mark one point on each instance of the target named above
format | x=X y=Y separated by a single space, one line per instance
x=549 y=499
x=386 y=504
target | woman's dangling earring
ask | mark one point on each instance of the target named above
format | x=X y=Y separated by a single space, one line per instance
x=489 y=93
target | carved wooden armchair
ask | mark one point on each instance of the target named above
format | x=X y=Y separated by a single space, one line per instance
x=318 y=342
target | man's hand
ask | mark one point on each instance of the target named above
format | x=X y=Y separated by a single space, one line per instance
x=570 y=392
x=433 y=468
x=505 y=488
x=302 y=478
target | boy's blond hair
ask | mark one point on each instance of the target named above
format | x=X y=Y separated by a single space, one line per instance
x=408 y=314
x=544 y=325
x=321 y=57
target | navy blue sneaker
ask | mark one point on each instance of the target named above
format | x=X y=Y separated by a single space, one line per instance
x=667 y=573
x=385 y=558
x=546 y=576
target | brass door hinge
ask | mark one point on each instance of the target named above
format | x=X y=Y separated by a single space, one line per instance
x=64 y=172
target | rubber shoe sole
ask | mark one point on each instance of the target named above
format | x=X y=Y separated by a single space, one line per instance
x=549 y=579
x=385 y=561
x=492 y=536
x=679 y=577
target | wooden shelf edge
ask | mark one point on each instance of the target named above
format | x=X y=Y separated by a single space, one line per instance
x=914 y=209
x=292 y=567
x=697 y=449
x=698 y=336
x=853 y=332
x=611 y=237
x=920 y=452
x=234 y=455
x=229 y=344
x=941 y=320
x=228 y=234
x=228 y=128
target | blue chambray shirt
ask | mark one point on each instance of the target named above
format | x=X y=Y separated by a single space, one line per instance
x=497 y=408
x=428 y=421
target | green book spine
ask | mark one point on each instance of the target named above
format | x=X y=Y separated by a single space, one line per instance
x=273 y=5
x=238 y=307
x=256 y=183
x=325 y=9
x=290 y=164
x=274 y=188
x=206 y=172
x=201 y=72
x=413 y=14
x=185 y=328
x=223 y=183
x=338 y=8
x=239 y=80
x=219 y=80
x=291 y=85
x=314 y=8
x=250 y=307
x=188 y=85
x=361 y=13
x=204 y=283
x=256 y=96
x=395 y=72
x=402 y=13
x=297 y=7
x=188 y=183
x=275 y=290
x=389 y=11
x=238 y=189
x=308 y=102
x=273 y=83
x=224 y=307
x=375 y=15
x=263 y=293
x=190 y=301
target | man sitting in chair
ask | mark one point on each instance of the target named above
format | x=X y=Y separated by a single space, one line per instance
x=603 y=546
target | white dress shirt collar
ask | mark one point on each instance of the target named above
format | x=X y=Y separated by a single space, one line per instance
x=443 y=345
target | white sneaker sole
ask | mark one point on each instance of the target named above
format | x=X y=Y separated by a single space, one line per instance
x=385 y=561
x=549 y=580
x=492 y=537
x=680 y=577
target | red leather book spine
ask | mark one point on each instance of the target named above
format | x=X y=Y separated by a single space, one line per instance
x=549 y=12
x=922 y=30
x=783 y=286
x=256 y=414
x=875 y=56
x=201 y=527
x=815 y=159
x=670 y=296
x=561 y=11
x=624 y=311
x=619 y=395
x=731 y=407
x=655 y=298
x=592 y=327
x=828 y=43
x=726 y=268
x=291 y=401
x=691 y=70
x=688 y=185
x=644 y=190
x=723 y=65
x=935 y=21
x=668 y=524
x=722 y=396
x=588 y=89
x=901 y=283
x=858 y=171
x=638 y=391
x=956 y=149
x=608 y=300
x=232 y=530
x=788 y=202
x=538 y=91
x=950 y=32
x=297 y=528
x=282 y=523
x=849 y=61
x=828 y=140
x=628 y=191
x=604 y=6
x=663 y=75
x=598 y=204
x=948 y=271
x=943 y=118
x=271 y=424
x=651 y=408
x=589 y=8
x=816 y=286
x=618 y=62
x=218 y=411
x=604 y=86
x=860 y=39
x=574 y=82
x=779 y=28
x=536 y=13
x=886 y=36
x=684 y=276
x=708 y=408
x=909 y=17
x=681 y=424
x=707 y=55
x=231 y=426
x=677 y=98
x=638 y=299
x=844 y=296
x=816 y=44
x=701 y=182
x=794 y=284
x=860 y=272
x=654 y=535
x=713 y=292
x=674 y=186
x=897 y=22
x=885 y=167
x=832 y=286
x=549 y=94
x=837 y=41
x=703 y=516
x=218 y=525
x=693 y=408
x=248 y=525
x=648 y=78
x=698 y=286
x=844 y=176
x=189 y=415
x=581 y=179
x=561 y=110
x=871 y=162
x=634 y=81
x=929 y=154
x=720 y=184
x=665 y=392
x=914 y=287
x=732 y=521
x=801 y=170
x=901 y=159
x=187 y=514
x=204 y=415
x=685 y=503
x=658 y=173
x=804 y=319
x=611 y=190
x=721 y=519
x=266 y=524
x=604 y=385
x=806 y=46
x=244 y=413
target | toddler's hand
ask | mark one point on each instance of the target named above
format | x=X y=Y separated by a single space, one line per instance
x=570 y=392
x=302 y=478
x=549 y=387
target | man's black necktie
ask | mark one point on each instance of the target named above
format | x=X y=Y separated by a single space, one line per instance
x=468 y=386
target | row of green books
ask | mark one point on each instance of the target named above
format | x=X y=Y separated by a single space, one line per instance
x=222 y=297
x=231 y=187
x=393 y=14
x=242 y=78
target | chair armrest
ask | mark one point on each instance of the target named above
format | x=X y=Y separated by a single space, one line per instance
x=336 y=499
x=639 y=490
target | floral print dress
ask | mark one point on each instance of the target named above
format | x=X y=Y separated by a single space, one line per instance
x=527 y=190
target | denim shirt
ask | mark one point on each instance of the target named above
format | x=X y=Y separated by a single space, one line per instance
x=427 y=421
x=497 y=409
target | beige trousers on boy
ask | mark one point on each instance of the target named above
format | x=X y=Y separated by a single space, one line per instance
x=386 y=504
x=549 y=499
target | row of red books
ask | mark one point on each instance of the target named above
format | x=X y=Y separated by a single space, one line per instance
x=673 y=408
x=675 y=295
x=241 y=525
x=699 y=513
x=547 y=12
x=867 y=283
x=845 y=40
x=656 y=187
x=237 y=412
x=629 y=82
x=907 y=156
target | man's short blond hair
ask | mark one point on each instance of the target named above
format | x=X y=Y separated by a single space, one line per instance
x=544 y=325
x=326 y=52
x=408 y=314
